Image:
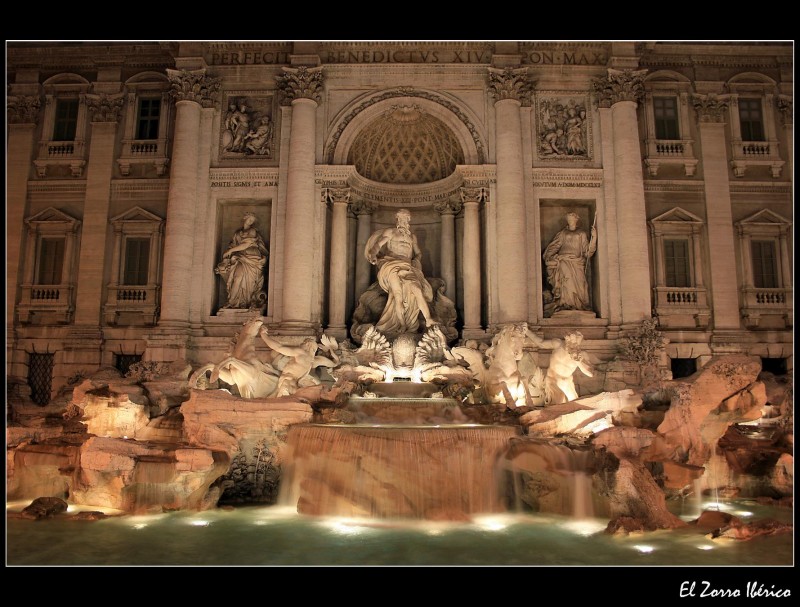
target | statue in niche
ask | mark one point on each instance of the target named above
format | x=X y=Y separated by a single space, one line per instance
x=566 y=260
x=402 y=294
x=242 y=267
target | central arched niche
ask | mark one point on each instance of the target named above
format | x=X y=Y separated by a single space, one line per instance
x=406 y=145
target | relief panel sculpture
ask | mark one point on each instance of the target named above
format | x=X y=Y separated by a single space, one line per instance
x=247 y=129
x=563 y=127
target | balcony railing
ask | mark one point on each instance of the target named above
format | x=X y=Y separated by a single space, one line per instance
x=143 y=151
x=756 y=153
x=670 y=151
x=52 y=299
x=132 y=304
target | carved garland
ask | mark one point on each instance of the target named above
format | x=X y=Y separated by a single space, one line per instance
x=193 y=85
x=619 y=85
x=406 y=92
x=711 y=107
x=510 y=83
x=23 y=109
x=300 y=83
x=105 y=108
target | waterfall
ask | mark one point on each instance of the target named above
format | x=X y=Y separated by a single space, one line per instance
x=550 y=477
x=422 y=472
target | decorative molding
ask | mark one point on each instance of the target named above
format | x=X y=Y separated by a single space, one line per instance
x=786 y=108
x=332 y=175
x=23 y=109
x=510 y=83
x=406 y=92
x=710 y=107
x=619 y=85
x=193 y=85
x=337 y=195
x=567 y=178
x=450 y=206
x=673 y=186
x=247 y=128
x=252 y=174
x=412 y=196
x=361 y=206
x=54 y=186
x=105 y=108
x=478 y=176
x=563 y=126
x=300 y=83
x=472 y=194
x=755 y=187
x=131 y=186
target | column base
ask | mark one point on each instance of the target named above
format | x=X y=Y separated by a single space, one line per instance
x=339 y=332
x=295 y=327
x=474 y=333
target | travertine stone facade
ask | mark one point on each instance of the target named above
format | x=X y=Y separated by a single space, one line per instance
x=125 y=182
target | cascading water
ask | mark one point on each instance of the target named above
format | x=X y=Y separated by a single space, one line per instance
x=551 y=478
x=394 y=470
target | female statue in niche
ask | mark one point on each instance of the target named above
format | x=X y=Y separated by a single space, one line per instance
x=242 y=267
x=565 y=259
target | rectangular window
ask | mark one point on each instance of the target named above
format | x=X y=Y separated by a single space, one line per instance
x=676 y=263
x=137 y=261
x=51 y=261
x=666 y=114
x=147 y=121
x=750 y=119
x=765 y=266
x=40 y=377
x=66 y=120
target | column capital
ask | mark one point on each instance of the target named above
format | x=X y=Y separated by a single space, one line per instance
x=360 y=206
x=785 y=105
x=23 y=109
x=193 y=85
x=619 y=85
x=104 y=107
x=450 y=206
x=711 y=107
x=475 y=195
x=300 y=83
x=337 y=195
x=510 y=83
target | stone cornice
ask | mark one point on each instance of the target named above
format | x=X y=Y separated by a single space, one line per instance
x=193 y=85
x=663 y=185
x=416 y=195
x=23 y=109
x=619 y=85
x=70 y=57
x=57 y=185
x=243 y=174
x=300 y=83
x=132 y=186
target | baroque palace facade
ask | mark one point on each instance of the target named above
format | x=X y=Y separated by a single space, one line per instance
x=132 y=167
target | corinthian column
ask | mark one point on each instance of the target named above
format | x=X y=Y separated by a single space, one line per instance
x=448 y=209
x=23 y=111
x=339 y=199
x=191 y=90
x=362 y=209
x=785 y=107
x=622 y=90
x=105 y=110
x=471 y=264
x=710 y=111
x=302 y=89
x=510 y=88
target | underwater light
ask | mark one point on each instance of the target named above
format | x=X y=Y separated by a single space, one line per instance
x=643 y=548
x=743 y=513
x=200 y=523
x=705 y=547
